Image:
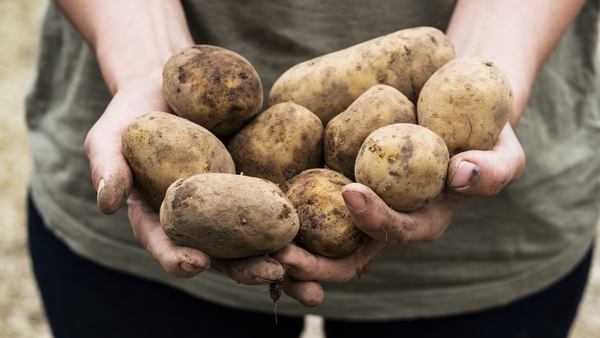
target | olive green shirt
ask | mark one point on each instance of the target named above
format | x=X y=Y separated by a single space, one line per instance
x=496 y=250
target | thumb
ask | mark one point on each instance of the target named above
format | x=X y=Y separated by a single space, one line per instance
x=485 y=173
x=111 y=175
x=110 y=172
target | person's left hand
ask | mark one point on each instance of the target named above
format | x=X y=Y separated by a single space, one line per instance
x=304 y=271
x=470 y=174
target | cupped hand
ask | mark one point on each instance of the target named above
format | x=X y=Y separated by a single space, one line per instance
x=305 y=271
x=185 y=262
x=111 y=175
x=471 y=174
x=113 y=180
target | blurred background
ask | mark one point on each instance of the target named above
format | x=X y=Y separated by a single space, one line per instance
x=21 y=314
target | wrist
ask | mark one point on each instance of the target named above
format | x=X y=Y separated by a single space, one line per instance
x=517 y=36
x=130 y=61
x=131 y=39
x=518 y=69
x=118 y=76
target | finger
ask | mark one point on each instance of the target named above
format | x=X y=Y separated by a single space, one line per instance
x=366 y=268
x=251 y=271
x=485 y=173
x=305 y=266
x=375 y=218
x=111 y=175
x=179 y=261
x=307 y=293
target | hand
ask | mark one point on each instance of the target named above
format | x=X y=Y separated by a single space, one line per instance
x=470 y=174
x=187 y=262
x=304 y=270
x=113 y=179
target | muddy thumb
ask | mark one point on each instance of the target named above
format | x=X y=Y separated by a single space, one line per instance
x=113 y=191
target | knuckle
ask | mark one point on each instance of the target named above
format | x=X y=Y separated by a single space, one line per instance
x=137 y=234
x=432 y=236
x=399 y=234
x=399 y=240
x=310 y=269
x=489 y=192
x=494 y=187
x=347 y=277
x=492 y=182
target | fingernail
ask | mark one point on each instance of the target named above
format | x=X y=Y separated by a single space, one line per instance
x=262 y=280
x=99 y=200
x=355 y=200
x=465 y=174
x=100 y=186
x=189 y=268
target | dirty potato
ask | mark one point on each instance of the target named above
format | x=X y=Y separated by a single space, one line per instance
x=161 y=148
x=279 y=143
x=326 y=227
x=404 y=164
x=379 y=106
x=328 y=84
x=213 y=87
x=228 y=215
x=467 y=102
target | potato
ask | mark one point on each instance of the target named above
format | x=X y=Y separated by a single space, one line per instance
x=213 y=87
x=404 y=164
x=326 y=226
x=379 y=106
x=279 y=143
x=161 y=148
x=328 y=84
x=228 y=216
x=467 y=102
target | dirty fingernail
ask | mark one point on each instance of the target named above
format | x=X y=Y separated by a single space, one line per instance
x=189 y=268
x=355 y=200
x=100 y=186
x=101 y=197
x=465 y=174
x=262 y=280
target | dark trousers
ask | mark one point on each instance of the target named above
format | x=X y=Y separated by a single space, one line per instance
x=83 y=299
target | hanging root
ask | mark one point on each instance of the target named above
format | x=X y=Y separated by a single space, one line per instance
x=275 y=291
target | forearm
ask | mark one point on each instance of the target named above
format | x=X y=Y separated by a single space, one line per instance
x=517 y=36
x=131 y=38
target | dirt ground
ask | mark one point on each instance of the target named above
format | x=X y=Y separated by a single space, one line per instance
x=21 y=314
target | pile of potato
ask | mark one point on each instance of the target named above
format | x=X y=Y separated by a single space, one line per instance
x=387 y=113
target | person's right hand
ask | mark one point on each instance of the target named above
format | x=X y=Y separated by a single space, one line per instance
x=187 y=262
x=113 y=180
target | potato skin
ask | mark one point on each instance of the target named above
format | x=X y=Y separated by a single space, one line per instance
x=379 y=106
x=228 y=215
x=328 y=84
x=404 y=164
x=161 y=148
x=467 y=102
x=326 y=226
x=213 y=87
x=279 y=143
